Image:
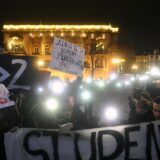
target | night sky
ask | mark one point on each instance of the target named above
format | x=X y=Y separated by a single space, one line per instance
x=138 y=20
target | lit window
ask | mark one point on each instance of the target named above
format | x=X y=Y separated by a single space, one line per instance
x=36 y=49
x=99 y=63
x=15 y=44
x=46 y=49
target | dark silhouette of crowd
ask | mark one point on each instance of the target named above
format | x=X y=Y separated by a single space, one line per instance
x=28 y=109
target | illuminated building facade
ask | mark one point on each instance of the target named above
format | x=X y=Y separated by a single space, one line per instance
x=37 y=40
x=146 y=61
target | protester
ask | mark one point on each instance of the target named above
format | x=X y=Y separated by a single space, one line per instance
x=155 y=109
x=153 y=88
x=140 y=108
x=74 y=115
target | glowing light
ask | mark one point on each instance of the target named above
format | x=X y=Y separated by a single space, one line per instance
x=62 y=34
x=101 y=83
x=89 y=80
x=92 y=35
x=116 y=60
x=86 y=95
x=83 y=35
x=61 y=27
x=57 y=87
x=103 y=36
x=127 y=83
x=72 y=33
x=40 y=89
x=52 y=34
x=40 y=63
x=111 y=113
x=51 y=104
x=113 y=76
x=135 y=67
x=118 y=84
x=81 y=87
x=154 y=71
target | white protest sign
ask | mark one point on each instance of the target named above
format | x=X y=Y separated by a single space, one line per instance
x=139 y=141
x=67 y=57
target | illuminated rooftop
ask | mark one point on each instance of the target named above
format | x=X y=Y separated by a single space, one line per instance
x=28 y=27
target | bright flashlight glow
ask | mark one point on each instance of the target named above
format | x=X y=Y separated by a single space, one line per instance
x=101 y=83
x=113 y=76
x=118 y=84
x=111 y=113
x=40 y=89
x=86 y=95
x=154 y=71
x=116 y=60
x=52 y=104
x=89 y=80
x=81 y=87
x=57 y=87
x=127 y=83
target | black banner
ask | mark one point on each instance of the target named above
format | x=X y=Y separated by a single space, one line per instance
x=18 y=72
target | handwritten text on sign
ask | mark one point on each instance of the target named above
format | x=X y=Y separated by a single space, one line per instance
x=67 y=57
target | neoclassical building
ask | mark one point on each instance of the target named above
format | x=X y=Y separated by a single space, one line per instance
x=37 y=40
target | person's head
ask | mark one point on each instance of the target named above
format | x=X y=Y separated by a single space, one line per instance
x=156 y=108
x=143 y=103
x=72 y=101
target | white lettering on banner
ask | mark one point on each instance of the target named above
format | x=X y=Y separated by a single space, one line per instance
x=12 y=84
x=138 y=142
x=4 y=75
x=67 y=57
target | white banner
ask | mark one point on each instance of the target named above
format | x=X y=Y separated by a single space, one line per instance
x=138 y=142
x=67 y=57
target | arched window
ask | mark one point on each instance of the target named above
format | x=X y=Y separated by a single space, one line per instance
x=15 y=44
x=99 y=63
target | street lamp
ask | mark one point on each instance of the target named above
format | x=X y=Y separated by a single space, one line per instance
x=118 y=61
x=40 y=63
x=134 y=67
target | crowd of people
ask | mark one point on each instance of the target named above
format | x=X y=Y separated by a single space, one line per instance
x=26 y=109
